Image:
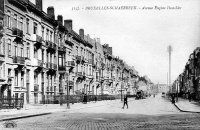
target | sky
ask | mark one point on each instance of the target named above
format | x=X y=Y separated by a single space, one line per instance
x=139 y=36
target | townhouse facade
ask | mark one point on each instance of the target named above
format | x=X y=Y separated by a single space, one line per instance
x=43 y=58
x=188 y=81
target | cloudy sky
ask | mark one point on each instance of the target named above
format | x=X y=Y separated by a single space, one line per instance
x=139 y=36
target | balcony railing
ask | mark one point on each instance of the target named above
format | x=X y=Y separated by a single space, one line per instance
x=61 y=68
x=90 y=61
x=82 y=59
x=47 y=89
x=70 y=63
x=37 y=39
x=40 y=63
x=80 y=74
x=55 y=66
x=2 y=57
x=69 y=43
x=17 y=32
x=36 y=87
x=49 y=65
x=19 y=60
x=62 y=49
x=78 y=59
x=51 y=89
x=50 y=45
x=71 y=83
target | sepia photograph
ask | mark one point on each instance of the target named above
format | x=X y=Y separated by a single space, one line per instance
x=99 y=64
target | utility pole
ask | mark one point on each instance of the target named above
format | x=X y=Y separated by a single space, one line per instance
x=169 y=49
x=167 y=83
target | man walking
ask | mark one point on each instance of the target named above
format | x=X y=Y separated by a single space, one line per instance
x=125 y=101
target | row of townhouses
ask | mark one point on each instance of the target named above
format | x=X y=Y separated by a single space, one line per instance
x=189 y=81
x=41 y=56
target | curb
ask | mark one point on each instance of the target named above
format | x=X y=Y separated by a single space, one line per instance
x=41 y=114
x=184 y=110
x=27 y=116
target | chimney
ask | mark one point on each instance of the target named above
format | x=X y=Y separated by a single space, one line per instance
x=81 y=33
x=60 y=19
x=98 y=40
x=50 y=12
x=38 y=4
x=68 y=24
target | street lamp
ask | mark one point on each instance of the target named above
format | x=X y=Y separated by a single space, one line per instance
x=67 y=82
x=169 y=49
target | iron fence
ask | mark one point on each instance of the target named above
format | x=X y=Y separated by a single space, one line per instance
x=77 y=98
x=11 y=102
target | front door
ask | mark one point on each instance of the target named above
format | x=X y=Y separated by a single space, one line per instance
x=35 y=98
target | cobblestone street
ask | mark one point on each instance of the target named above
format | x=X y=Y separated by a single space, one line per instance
x=151 y=113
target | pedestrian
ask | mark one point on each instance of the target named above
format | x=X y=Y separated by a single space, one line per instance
x=95 y=98
x=125 y=101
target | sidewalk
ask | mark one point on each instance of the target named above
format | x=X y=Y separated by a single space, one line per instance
x=185 y=106
x=31 y=110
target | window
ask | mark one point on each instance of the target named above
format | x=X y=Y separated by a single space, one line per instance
x=16 y=77
x=8 y=19
x=15 y=21
x=22 y=79
x=22 y=52
x=42 y=33
x=43 y=55
x=55 y=59
x=77 y=50
x=51 y=36
x=15 y=53
x=2 y=47
x=27 y=75
x=35 y=53
x=61 y=60
x=47 y=35
x=20 y=24
x=27 y=26
x=28 y=50
x=35 y=78
x=35 y=28
x=9 y=47
x=81 y=51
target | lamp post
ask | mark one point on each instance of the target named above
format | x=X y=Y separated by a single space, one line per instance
x=169 y=49
x=67 y=82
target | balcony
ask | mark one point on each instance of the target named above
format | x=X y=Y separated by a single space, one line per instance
x=71 y=83
x=51 y=47
x=17 y=33
x=37 y=39
x=62 y=69
x=61 y=90
x=61 y=49
x=94 y=66
x=19 y=60
x=69 y=43
x=78 y=59
x=2 y=57
x=80 y=75
x=102 y=66
x=1 y=30
x=2 y=79
x=52 y=67
x=48 y=88
x=70 y=64
x=90 y=61
x=40 y=63
x=82 y=59
x=36 y=87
